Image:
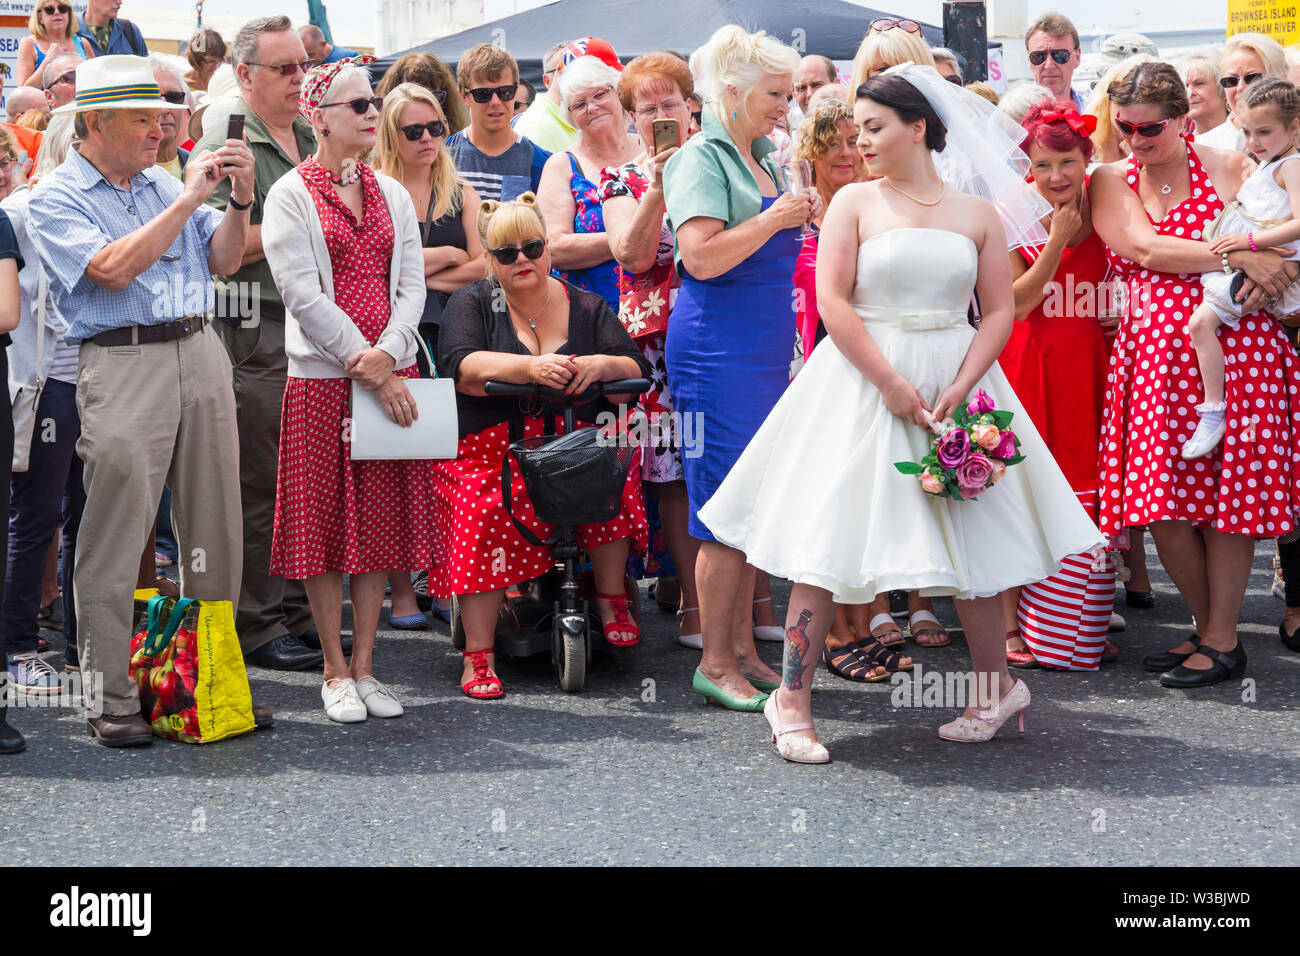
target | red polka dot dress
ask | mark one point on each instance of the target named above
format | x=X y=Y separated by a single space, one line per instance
x=486 y=551
x=1251 y=484
x=334 y=515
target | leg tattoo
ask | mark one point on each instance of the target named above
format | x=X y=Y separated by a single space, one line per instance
x=796 y=649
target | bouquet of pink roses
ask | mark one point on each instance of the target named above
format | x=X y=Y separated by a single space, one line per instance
x=970 y=452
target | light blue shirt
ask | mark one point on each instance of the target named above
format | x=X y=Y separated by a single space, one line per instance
x=75 y=212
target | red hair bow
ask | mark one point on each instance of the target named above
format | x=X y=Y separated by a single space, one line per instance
x=1083 y=125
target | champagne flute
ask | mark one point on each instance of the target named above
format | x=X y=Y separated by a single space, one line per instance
x=797 y=176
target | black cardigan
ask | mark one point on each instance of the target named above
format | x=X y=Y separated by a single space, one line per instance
x=470 y=324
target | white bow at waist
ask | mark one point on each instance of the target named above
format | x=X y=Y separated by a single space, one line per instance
x=911 y=320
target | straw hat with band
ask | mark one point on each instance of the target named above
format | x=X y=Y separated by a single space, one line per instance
x=117 y=82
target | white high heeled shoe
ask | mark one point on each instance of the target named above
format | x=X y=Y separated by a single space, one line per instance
x=793 y=749
x=985 y=725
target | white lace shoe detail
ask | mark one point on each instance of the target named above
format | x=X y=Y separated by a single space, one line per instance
x=1209 y=430
x=793 y=749
x=985 y=724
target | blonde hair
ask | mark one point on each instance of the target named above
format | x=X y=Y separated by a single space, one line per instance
x=1106 y=140
x=983 y=89
x=819 y=130
x=1266 y=48
x=889 y=48
x=448 y=187
x=7 y=143
x=1203 y=65
x=38 y=30
x=501 y=223
x=738 y=59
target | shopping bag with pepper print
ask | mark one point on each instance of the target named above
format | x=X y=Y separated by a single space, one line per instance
x=187 y=663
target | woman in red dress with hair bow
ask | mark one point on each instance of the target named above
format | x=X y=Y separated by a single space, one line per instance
x=1056 y=361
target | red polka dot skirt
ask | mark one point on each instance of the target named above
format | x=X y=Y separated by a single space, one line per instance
x=1251 y=484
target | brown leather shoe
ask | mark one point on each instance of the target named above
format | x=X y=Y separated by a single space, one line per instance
x=125 y=731
x=262 y=717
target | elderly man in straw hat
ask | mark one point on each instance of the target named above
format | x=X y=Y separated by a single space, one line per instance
x=129 y=251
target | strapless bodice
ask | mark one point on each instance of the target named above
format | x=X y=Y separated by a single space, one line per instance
x=915 y=279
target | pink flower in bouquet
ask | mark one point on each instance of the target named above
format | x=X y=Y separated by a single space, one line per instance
x=974 y=473
x=980 y=403
x=930 y=483
x=999 y=470
x=986 y=436
x=1007 y=446
x=953 y=447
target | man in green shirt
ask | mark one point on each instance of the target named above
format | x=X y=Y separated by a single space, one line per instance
x=543 y=122
x=273 y=618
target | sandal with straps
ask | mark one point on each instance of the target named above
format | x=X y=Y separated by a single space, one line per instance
x=850 y=663
x=879 y=621
x=1223 y=666
x=881 y=655
x=623 y=623
x=921 y=623
x=482 y=675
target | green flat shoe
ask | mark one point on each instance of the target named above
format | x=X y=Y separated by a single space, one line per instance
x=712 y=692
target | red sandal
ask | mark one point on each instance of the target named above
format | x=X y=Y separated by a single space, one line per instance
x=622 y=620
x=1023 y=658
x=482 y=675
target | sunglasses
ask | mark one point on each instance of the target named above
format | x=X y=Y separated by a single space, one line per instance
x=287 y=69
x=532 y=249
x=52 y=10
x=1059 y=56
x=440 y=96
x=505 y=94
x=1229 y=82
x=881 y=24
x=360 y=105
x=70 y=78
x=415 y=131
x=175 y=96
x=1145 y=129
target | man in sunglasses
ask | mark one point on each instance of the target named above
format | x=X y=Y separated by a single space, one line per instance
x=495 y=159
x=273 y=617
x=171 y=84
x=59 y=79
x=1054 y=54
x=106 y=32
x=543 y=122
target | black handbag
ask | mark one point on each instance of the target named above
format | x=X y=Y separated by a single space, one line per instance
x=572 y=479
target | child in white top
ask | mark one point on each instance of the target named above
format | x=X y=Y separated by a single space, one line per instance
x=1265 y=215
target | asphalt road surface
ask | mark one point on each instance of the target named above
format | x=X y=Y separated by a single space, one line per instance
x=1112 y=769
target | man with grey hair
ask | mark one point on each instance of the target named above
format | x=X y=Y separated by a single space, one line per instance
x=21 y=100
x=812 y=73
x=947 y=63
x=59 y=79
x=273 y=617
x=543 y=122
x=320 y=49
x=175 y=122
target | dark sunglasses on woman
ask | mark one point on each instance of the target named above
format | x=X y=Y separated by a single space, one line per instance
x=1229 y=82
x=483 y=94
x=360 y=105
x=51 y=10
x=881 y=24
x=1059 y=55
x=1146 y=129
x=532 y=249
x=415 y=131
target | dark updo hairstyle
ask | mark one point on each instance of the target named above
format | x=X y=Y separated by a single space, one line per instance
x=906 y=100
x=1152 y=83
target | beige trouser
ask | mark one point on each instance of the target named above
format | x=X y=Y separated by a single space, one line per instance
x=152 y=413
x=269 y=607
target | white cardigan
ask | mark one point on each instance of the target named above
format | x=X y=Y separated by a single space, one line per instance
x=319 y=337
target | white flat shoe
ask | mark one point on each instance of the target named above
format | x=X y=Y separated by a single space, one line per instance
x=1117 y=623
x=793 y=749
x=1209 y=431
x=378 y=699
x=342 y=705
x=772 y=633
x=693 y=641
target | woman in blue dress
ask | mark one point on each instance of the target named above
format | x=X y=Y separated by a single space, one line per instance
x=732 y=331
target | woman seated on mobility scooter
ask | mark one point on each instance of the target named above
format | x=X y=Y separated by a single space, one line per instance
x=521 y=325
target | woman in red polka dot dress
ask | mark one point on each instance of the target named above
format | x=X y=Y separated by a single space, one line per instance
x=344 y=246
x=1151 y=211
x=520 y=325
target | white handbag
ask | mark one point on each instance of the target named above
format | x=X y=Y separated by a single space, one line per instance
x=25 y=397
x=435 y=434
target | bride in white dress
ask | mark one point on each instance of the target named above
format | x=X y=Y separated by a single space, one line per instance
x=815 y=497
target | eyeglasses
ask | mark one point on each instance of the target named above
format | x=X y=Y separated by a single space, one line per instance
x=287 y=69
x=70 y=78
x=361 y=105
x=1059 y=55
x=1146 y=129
x=532 y=249
x=484 y=94
x=1229 y=82
x=415 y=131
x=667 y=109
x=175 y=96
x=698 y=117
x=881 y=24
x=583 y=105
x=51 y=10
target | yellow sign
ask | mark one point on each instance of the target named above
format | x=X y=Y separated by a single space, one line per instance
x=1273 y=18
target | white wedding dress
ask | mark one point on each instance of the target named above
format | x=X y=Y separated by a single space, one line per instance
x=815 y=497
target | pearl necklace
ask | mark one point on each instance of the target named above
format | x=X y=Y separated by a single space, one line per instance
x=920 y=202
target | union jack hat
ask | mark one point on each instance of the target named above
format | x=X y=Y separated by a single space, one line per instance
x=590 y=46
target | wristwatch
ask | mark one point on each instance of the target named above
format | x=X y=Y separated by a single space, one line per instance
x=241 y=206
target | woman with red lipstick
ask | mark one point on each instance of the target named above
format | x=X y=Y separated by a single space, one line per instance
x=1205 y=515
x=1060 y=308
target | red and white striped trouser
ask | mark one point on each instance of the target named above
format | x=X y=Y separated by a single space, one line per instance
x=1064 y=618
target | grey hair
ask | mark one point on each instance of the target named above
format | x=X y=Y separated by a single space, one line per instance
x=244 y=47
x=49 y=74
x=166 y=63
x=1202 y=64
x=943 y=55
x=1017 y=100
x=585 y=73
x=550 y=57
x=55 y=145
x=312 y=31
x=346 y=73
x=79 y=124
